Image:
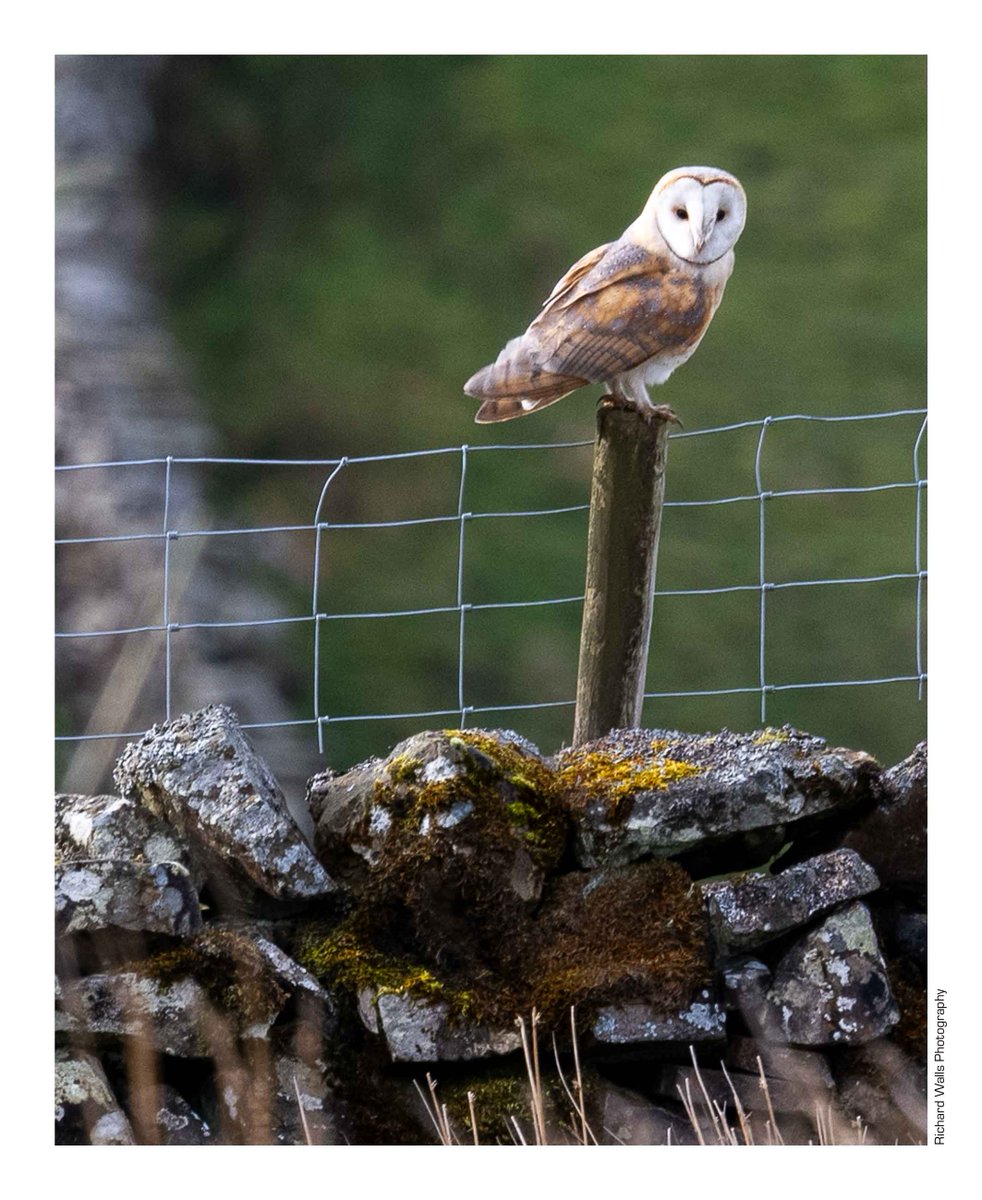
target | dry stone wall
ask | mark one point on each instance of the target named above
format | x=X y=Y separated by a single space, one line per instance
x=735 y=903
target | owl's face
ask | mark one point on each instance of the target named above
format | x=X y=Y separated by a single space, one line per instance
x=699 y=211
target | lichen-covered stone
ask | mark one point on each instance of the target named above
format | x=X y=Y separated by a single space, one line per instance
x=702 y=1020
x=303 y=1104
x=187 y=1001
x=86 y=1111
x=443 y=788
x=172 y=1121
x=289 y=972
x=683 y=790
x=125 y=1004
x=756 y=908
x=201 y=775
x=119 y=894
x=113 y=827
x=418 y=1029
x=893 y=837
x=463 y=905
x=745 y=981
x=832 y=986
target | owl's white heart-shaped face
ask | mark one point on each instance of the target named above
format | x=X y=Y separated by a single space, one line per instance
x=699 y=211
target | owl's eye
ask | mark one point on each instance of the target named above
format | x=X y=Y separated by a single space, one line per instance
x=721 y=214
x=682 y=214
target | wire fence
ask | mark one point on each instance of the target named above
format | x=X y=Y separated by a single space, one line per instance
x=460 y=517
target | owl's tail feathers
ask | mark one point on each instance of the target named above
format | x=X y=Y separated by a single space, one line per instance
x=514 y=385
x=506 y=410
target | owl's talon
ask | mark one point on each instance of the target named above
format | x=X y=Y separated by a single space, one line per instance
x=612 y=401
x=650 y=412
x=665 y=412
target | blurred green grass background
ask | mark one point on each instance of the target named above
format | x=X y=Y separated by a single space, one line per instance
x=345 y=240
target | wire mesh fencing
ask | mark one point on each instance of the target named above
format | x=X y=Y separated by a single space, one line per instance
x=774 y=530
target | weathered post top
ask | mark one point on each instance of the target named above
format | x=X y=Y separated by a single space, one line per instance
x=622 y=549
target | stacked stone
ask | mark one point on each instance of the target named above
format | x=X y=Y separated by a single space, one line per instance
x=715 y=907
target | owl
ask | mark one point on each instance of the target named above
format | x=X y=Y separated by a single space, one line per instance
x=631 y=311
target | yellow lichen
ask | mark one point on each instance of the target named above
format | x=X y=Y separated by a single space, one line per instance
x=603 y=774
x=608 y=775
x=771 y=735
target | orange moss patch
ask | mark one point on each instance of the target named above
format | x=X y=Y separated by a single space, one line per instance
x=638 y=932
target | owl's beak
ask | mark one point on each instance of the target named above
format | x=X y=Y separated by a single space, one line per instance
x=698 y=239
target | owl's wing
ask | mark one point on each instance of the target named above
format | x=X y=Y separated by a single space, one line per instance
x=629 y=306
x=576 y=272
x=616 y=308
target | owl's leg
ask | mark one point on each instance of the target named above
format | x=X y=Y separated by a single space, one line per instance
x=616 y=396
x=633 y=388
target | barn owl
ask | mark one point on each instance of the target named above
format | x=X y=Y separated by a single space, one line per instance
x=631 y=311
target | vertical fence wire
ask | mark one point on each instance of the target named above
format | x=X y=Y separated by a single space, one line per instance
x=461 y=606
x=762 y=498
x=319 y=527
x=918 y=564
x=169 y=537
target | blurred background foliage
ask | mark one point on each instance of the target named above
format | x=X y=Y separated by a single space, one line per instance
x=343 y=241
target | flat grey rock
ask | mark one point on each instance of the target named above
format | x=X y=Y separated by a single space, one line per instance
x=187 y=1002
x=421 y=1030
x=112 y=827
x=117 y=893
x=754 y=909
x=622 y=1024
x=707 y=788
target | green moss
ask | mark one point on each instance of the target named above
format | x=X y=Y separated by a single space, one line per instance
x=346 y=956
x=497 y=778
x=497 y=1098
x=440 y=915
x=535 y=810
x=232 y=972
x=403 y=768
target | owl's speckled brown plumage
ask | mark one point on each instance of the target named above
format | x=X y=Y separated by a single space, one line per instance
x=625 y=315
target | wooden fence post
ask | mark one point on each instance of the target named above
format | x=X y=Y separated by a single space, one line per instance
x=622 y=550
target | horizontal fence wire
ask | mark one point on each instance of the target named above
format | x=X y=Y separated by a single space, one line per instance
x=461 y=711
